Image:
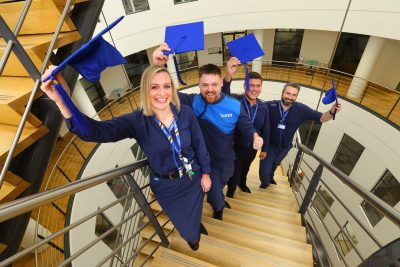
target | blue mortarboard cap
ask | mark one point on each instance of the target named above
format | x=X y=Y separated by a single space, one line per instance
x=89 y=60
x=185 y=37
x=245 y=48
x=330 y=95
x=93 y=57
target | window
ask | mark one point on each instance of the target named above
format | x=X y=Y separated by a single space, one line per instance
x=95 y=93
x=135 y=66
x=134 y=6
x=183 y=1
x=187 y=61
x=342 y=242
x=387 y=189
x=347 y=154
x=102 y=226
x=119 y=187
x=309 y=131
x=287 y=44
x=322 y=202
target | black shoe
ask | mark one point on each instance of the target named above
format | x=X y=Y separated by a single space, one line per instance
x=218 y=214
x=245 y=189
x=194 y=245
x=203 y=230
x=273 y=181
x=227 y=205
x=263 y=186
x=230 y=192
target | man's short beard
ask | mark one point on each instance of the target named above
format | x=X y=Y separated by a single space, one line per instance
x=286 y=103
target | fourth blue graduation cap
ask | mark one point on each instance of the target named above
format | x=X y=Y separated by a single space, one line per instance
x=184 y=38
x=331 y=96
x=246 y=49
x=89 y=60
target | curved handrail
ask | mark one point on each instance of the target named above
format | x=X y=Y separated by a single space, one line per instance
x=387 y=210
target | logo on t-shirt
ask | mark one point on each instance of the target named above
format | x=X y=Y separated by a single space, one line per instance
x=227 y=115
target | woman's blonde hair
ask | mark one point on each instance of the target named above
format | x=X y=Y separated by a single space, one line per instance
x=145 y=86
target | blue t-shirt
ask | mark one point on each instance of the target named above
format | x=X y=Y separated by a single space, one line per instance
x=218 y=122
x=296 y=115
x=151 y=138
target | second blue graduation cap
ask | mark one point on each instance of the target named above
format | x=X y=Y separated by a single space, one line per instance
x=89 y=60
x=184 y=38
x=246 y=49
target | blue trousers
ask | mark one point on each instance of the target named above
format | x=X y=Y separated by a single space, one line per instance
x=182 y=200
x=271 y=162
x=244 y=158
x=219 y=177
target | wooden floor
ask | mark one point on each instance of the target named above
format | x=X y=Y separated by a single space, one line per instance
x=255 y=232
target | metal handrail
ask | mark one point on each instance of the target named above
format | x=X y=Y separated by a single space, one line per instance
x=20 y=206
x=33 y=94
x=387 y=210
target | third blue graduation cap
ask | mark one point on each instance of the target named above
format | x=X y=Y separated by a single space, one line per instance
x=184 y=38
x=89 y=60
x=246 y=49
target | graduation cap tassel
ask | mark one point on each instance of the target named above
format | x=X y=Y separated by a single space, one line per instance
x=247 y=79
x=77 y=118
x=333 y=86
x=177 y=71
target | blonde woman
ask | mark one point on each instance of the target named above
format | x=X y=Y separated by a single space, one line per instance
x=170 y=136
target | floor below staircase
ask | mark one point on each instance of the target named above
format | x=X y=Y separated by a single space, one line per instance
x=262 y=229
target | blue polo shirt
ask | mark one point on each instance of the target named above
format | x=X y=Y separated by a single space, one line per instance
x=296 y=115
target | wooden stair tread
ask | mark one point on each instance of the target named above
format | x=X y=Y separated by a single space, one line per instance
x=268 y=201
x=13 y=186
x=167 y=257
x=140 y=258
x=36 y=47
x=28 y=137
x=222 y=253
x=13 y=117
x=15 y=90
x=2 y=247
x=43 y=16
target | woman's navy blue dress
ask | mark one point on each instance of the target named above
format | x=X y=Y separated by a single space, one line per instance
x=181 y=198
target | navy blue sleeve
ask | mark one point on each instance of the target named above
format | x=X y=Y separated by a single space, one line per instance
x=186 y=99
x=198 y=144
x=310 y=114
x=266 y=130
x=226 y=87
x=108 y=131
x=245 y=127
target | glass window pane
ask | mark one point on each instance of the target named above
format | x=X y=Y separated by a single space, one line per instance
x=287 y=44
x=322 y=202
x=309 y=131
x=347 y=154
x=133 y=6
x=342 y=242
x=183 y=1
x=102 y=226
x=387 y=189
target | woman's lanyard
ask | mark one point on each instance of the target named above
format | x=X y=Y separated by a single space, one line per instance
x=281 y=124
x=176 y=146
x=249 y=109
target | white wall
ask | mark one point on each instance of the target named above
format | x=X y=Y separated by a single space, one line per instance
x=268 y=44
x=113 y=78
x=106 y=157
x=387 y=67
x=211 y=41
x=146 y=29
x=318 y=45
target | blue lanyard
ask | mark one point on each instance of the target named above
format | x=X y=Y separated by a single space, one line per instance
x=176 y=147
x=251 y=116
x=283 y=113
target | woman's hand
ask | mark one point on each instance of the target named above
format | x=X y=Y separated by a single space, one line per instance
x=205 y=182
x=47 y=86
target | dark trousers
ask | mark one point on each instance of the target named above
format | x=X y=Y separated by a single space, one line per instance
x=219 y=177
x=271 y=162
x=244 y=158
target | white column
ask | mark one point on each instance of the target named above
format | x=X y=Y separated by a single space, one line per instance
x=257 y=63
x=364 y=69
x=172 y=70
x=82 y=101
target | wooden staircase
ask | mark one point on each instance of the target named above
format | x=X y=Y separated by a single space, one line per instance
x=262 y=229
x=16 y=85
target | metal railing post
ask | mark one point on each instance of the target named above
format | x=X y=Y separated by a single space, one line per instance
x=295 y=166
x=142 y=202
x=311 y=189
